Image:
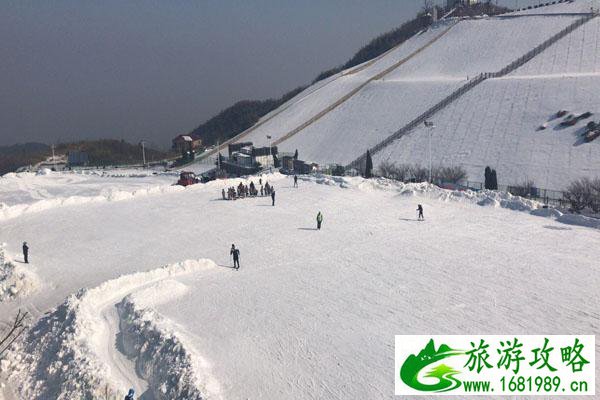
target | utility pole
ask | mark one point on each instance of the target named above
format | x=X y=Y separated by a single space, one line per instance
x=430 y=126
x=143 y=143
x=270 y=151
x=53 y=158
x=218 y=156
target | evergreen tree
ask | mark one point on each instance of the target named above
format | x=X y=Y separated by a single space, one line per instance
x=368 y=166
x=494 y=180
x=296 y=155
x=488 y=178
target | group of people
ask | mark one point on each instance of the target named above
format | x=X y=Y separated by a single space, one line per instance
x=242 y=191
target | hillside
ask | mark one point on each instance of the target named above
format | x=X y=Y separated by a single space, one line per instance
x=111 y=152
x=19 y=155
x=244 y=114
x=337 y=119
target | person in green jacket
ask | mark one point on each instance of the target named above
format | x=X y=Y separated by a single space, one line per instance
x=319 y=220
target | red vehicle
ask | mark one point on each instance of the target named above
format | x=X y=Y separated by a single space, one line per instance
x=187 y=178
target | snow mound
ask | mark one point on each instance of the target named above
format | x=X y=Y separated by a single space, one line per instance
x=59 y=357
x=9 y=212
x=579 y=220
x=44 y=171
x=16 y=281
x=547 y=212
x=162 y=357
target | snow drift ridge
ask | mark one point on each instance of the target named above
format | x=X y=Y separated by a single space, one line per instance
x=59 y=359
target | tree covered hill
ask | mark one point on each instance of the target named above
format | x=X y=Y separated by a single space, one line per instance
x=100 y=152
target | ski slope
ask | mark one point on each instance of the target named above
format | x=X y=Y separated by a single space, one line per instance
x=321 y=95
x=578 y=53
x=367 y=118
x=496 y=124
x=310 y=314
x=475 y=46
x=338 y=120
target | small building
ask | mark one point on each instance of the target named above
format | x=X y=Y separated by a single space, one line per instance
x=185 y=143
x=78 y=158
x=264 y=155
x=235 y=147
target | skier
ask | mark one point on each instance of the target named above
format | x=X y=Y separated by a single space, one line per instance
x=319 y=220
x=130 y=394
x=236 y=256
x=273 y=196
x=295 y=181
x=420 y=211
x=26 y=253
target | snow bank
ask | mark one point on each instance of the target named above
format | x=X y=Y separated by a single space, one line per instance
x=16 y=280
x=8 y=212
x=60 y=357
x=579 y=220
x=172 y=368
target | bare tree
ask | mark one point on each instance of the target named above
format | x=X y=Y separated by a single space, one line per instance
x=13 y=331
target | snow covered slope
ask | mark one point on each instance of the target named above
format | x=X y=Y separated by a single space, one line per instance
x=578 y=53
x=496 y=120
x=496 y=124
x=310 y=314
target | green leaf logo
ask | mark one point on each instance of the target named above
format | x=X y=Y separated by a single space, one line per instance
x=409 y=372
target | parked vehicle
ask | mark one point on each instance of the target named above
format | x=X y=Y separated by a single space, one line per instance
x=187 y=178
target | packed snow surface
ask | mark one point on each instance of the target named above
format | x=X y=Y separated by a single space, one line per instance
x=497 y=124
x=310 y=314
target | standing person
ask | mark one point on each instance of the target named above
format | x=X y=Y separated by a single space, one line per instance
x=223 y=193
x=235 y=253
x=319 y=220
x=273 y=196
x=130 y=394
x=295 y=181
x=420 y=211
x=25 y=253
x=261 y=191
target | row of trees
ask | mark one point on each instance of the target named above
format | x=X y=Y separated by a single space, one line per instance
x=111 y=152
x=417 y=173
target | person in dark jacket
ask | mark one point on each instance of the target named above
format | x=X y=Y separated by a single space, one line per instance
x=296 y=181
x=273 y=196
x=130 y=394
x=26 y=253
x=319 y=220
x=420 y=211
x=235 y=253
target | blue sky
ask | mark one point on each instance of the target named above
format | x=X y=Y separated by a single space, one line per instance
x=75 y=69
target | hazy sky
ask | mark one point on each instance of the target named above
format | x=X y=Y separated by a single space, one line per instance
x=75 y=69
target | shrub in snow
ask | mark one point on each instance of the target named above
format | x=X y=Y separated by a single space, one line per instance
x=449 y=174
x=584 y=193
x=398 y=172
